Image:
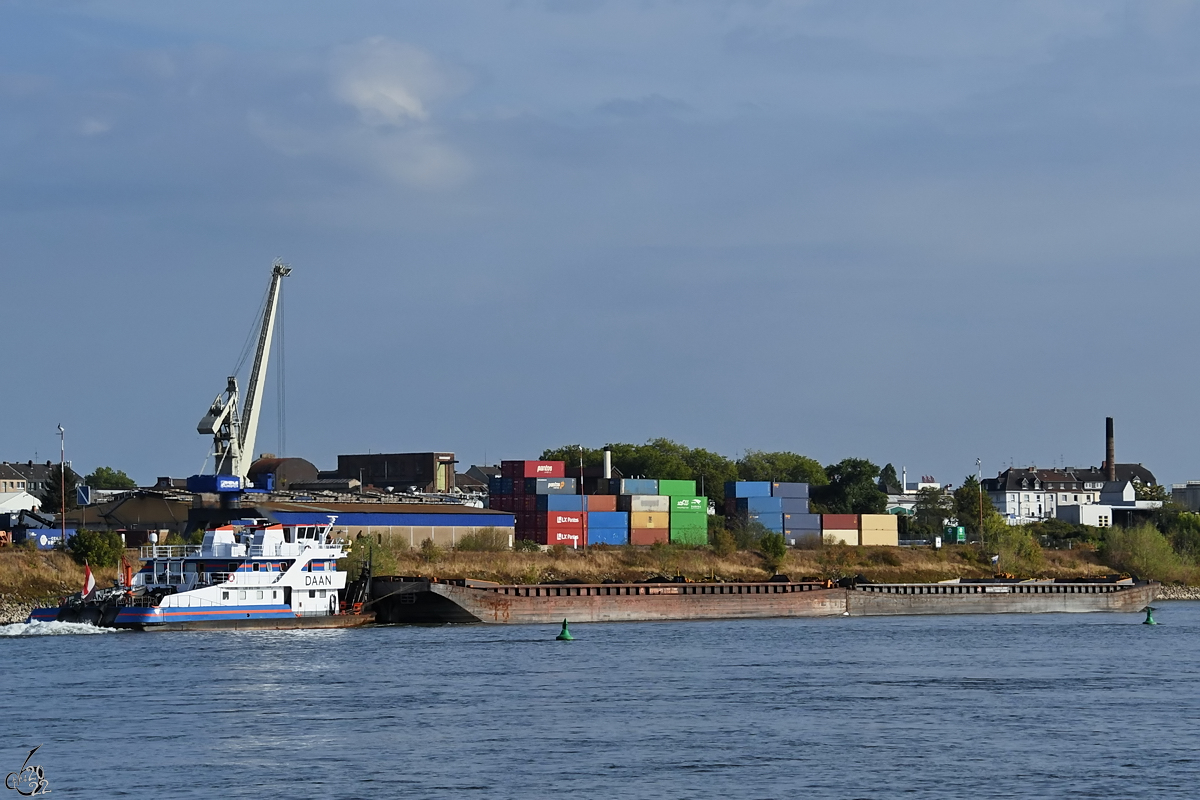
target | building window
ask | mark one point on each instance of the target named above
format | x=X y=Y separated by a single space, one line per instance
x=1064 y=498
x=1076 y=498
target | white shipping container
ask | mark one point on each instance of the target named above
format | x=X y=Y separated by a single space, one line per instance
x=644 y=502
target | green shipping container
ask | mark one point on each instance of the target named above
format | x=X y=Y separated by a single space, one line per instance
x=689 y=535
x=689 y=504
x=677 y=488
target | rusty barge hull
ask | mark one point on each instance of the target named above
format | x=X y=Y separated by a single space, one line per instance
x=422 y=601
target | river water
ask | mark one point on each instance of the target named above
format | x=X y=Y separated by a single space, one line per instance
x=1055 y=705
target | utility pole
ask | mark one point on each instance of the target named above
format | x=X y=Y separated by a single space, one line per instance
x=583 y=498
x=62 y=482
x=979 y=483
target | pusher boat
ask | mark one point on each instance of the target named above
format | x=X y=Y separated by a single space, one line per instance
x=245 y=575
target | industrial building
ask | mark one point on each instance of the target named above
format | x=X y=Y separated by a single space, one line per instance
x=404 y=524
x=401 y=472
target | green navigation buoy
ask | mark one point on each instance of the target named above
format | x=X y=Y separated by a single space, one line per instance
x=565 y=635
x=1148 y=621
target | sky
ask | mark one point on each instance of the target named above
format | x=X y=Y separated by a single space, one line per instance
x=922 y=233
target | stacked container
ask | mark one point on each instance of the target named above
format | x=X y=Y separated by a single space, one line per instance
x=840 y=529
x=649 y=515
x=800 y=528
x=607 y=527
x=751 y=501
x=548 y=510
x=879 y=530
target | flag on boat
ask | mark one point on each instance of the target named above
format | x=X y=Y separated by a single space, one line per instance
x=995 y=560
x=89 y=580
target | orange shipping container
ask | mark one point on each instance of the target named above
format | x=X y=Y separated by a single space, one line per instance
x=648 y=536
x=601 y=502
x=649 y=519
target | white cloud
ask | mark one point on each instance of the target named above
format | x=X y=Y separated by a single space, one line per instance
x=92 y=126
x=390 y=83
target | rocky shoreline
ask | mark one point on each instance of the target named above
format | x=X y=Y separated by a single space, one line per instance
x=1179 y=593
x=11 y=612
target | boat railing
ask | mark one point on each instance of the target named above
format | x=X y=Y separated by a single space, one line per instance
x=169 y=550
x=992 y=588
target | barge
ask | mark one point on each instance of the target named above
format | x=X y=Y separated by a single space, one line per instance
x=420 y=600
x=248 y=576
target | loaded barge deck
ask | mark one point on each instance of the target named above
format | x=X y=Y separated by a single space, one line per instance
x=422 y=600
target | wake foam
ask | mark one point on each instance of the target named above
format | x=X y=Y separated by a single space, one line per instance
x=51 y=629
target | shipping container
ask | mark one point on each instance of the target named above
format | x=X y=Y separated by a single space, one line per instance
x=677 y=488
x=689 y=536
x=879 y=538
x=550 y=486
x=772 y=522
x=689 y=505
x=600 y=502
x=562 y=537
x=883 y=522
x=558 y=502
x=613 y=536
x=794 y=505
x=649 y=519
x=835 y=536
x=608 y=519
x=802 y=522
x=558 y=519
x=648 y=536
x=841 y=522
x=793 y=490
x=759 y=505
x=805 y=540
x=644 y=502
x=633 y=486
x=533 y=469
x=747 y=489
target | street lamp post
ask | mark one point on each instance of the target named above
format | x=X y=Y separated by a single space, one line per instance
x=62 y=483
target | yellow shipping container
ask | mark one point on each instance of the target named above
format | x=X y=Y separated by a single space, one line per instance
x=880 y=538
x=878 y=522
x=649 y=519
x=834 y=536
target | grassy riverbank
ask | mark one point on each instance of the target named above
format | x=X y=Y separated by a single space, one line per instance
x=34 y=575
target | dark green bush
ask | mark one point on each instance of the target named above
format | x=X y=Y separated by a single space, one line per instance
x=97 y=548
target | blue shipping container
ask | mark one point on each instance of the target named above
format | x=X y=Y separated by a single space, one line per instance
x=806 y=539
x=789 y=490
x=801 y=522
x=747 y=489
x=500 y=485
x=772 y=522
x=560 y=502
x=632 y=486
x=794 y=505
x=760 y=505
x=549 y=486
x=607 y=519
x=608 y=536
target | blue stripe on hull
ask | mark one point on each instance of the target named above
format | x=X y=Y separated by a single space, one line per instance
x=43 y=615
x=160 y=615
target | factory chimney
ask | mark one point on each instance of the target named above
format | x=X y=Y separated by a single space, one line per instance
x=1110 y=451
x=607 y=463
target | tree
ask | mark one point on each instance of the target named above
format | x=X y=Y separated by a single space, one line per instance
x=852 y=489
x=774 y=550
x=660 y=459
x=97 y=548
x=967 y=506
x=52 y=498
x=930 y=512
x=1150 y=491
x=757 y=465
x=109 y=478
x=889 y=481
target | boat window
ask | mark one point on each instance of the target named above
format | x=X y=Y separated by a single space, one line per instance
x=256 y=567
x=274 y=595
x=241 y=595
x=224 y=595
x=232 y=567
x=320 y=593
x=260 y=595
x=312 y=592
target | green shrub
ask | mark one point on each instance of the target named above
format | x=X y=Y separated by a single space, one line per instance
x=383 y=562
x=722 y=541
x=430 y=552
x=526 y=546
x=774 y=549
x=484 y=540
x=882 y=557
x=1142 y=551
x=97 y=548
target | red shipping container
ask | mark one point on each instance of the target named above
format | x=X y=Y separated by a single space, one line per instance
x=549 y=520
x=647 y=536
x=563 y=537
x=839 y=522
x=499 y=502
x=600 y=502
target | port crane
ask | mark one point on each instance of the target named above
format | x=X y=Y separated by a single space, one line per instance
x=233 y=432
